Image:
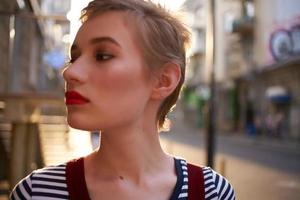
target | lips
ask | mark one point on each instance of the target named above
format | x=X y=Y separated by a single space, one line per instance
x=74 y=98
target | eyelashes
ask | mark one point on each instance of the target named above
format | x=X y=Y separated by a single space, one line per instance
x=99 y=57
x=69 y=61
x=103 y=56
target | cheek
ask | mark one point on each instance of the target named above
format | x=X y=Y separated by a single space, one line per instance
x=118 y=82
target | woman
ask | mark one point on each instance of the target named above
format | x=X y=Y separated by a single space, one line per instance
x=126 y=70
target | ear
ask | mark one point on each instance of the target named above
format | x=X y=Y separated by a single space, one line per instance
x=167 y=79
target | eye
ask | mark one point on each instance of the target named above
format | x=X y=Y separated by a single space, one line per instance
x=103 y=56
x=70 y=61
x=72 y=58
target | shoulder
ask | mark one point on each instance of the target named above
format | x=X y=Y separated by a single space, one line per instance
x=42 y=182
x=216 y=186
x=23 y=189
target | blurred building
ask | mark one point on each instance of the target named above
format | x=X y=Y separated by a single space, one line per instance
x=257 y=64
x=33 y=49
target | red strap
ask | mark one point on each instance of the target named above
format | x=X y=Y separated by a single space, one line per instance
x=75 y=180
x=195 y=183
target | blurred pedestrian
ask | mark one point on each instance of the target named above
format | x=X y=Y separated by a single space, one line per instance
x=278 y=121
x=126 y=70
x=270 y=124
x=250 y=123
x=259 y=125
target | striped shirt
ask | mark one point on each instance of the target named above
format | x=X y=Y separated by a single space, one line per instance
x=50 y=183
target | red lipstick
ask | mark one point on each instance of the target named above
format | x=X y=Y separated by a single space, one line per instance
x=74 y=98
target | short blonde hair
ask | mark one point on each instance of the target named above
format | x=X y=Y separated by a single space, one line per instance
x=163 y=38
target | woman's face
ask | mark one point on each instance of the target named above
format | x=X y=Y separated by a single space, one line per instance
x=107 y=83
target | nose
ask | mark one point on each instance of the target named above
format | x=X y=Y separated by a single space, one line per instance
x=74 y=74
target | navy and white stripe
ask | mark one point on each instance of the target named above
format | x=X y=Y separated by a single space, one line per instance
x=216 y=186
x=50 y=183
x=47 y=183
x=184 y=188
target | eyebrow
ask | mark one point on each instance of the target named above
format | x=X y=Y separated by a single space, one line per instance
x=97 y=40
x=104 y=39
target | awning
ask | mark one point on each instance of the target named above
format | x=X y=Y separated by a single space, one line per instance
x=278 y=94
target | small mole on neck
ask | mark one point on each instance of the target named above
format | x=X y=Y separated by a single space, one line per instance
x=121 y=177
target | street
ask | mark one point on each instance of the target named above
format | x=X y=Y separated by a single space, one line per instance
x=260 y=169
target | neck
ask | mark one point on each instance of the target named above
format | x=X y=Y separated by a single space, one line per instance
x=131 y=153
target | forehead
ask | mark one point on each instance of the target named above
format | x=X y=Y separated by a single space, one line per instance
x=108 y=24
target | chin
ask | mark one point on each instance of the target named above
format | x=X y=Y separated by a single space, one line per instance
x=79 y=124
